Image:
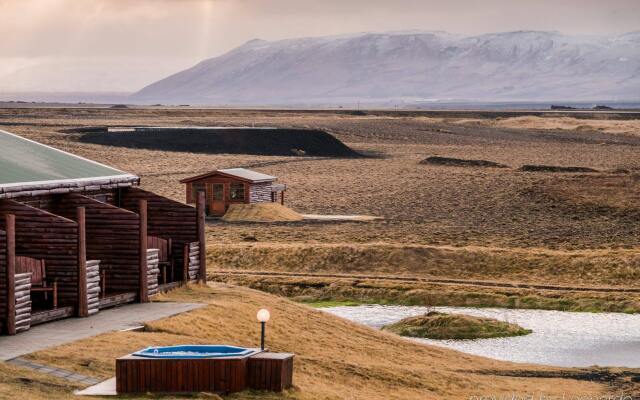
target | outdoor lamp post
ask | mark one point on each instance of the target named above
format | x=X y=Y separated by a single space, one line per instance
x=263 y=317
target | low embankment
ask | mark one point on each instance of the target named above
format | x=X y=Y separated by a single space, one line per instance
x=377 y=290
x=221 y=140
x=534 y=266
x=604 y=280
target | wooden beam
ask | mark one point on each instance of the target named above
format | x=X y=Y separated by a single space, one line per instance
x=200 y=209
x=10 y=225
x=185 y=263
x=144 y=293
x=83 y=305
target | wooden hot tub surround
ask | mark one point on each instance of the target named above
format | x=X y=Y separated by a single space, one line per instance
x=260 y=371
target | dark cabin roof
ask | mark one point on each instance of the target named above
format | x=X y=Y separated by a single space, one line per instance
x=242 y=174
x=27 y=166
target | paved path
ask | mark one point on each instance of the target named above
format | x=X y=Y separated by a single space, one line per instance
x=54 y=371
x=69 y=330
x=105 y=388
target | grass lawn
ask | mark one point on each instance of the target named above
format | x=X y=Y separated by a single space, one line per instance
x=335 y=359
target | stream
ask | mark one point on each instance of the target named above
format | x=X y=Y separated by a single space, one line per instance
x=566 y=339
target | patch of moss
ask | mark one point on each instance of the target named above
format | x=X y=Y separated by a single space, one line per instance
x=436 y=325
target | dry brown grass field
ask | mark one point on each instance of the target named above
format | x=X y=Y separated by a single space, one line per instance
x=450 y=235
x=497 y=224
x=335 y=359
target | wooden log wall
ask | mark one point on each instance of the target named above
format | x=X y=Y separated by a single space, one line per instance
x=201 y=229
x=260 y=192
x=167 y=219
x=23 y=302
x=93 y=286
x=83 y=307
x=100 y=184
x=47 y=201
x=153 y=261
x=194 y=260
x=40 y=234
x=104 y=196
x=10 y=272
x=3 y=281
x=112 y=236
x=143 y=296
x=154 y=242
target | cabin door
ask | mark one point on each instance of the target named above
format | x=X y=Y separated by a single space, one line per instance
x=217 y=199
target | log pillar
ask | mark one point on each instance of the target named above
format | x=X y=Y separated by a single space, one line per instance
x=200 y=209
x=185 y=263
x=10 y=225
x=144 y=293
x=83 y=305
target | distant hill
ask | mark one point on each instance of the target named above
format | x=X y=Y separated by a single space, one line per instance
x=410 y=67
x=223 y=140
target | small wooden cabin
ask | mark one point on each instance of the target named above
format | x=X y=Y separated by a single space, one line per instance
x=224 y=187
x=77 y=236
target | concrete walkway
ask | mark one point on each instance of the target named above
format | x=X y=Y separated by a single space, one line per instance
x=105 y=388
x=54 y=371
x=69 y=330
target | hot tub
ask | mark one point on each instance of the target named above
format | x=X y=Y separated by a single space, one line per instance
x=197 y=368
x=195 y=352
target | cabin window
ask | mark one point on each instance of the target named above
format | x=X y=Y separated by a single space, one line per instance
x=236 y=191
x=195 y=188
x=218 y=191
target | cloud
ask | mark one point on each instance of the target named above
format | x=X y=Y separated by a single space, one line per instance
x=114 y=27
x=189 y=27
x=182 y=32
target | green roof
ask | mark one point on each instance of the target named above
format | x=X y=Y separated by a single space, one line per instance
x=26 y=163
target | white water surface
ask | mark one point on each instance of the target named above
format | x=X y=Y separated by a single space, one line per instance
x=567 y=339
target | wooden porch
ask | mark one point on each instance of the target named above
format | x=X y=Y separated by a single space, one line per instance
x=115 y=300
x=174 y=222
x=77 y=255
x=41 y=317
x=113 y=236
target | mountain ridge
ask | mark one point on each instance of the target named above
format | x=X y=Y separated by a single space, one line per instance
x=409 y=66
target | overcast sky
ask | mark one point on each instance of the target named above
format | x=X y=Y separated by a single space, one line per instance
x=122 y=45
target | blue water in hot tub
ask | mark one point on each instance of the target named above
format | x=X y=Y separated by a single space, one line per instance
x=194 y=351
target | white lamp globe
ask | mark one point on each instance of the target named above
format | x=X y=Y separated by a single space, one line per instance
x=263 y=315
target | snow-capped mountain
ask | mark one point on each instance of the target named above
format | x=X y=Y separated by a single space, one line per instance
x=411 y=66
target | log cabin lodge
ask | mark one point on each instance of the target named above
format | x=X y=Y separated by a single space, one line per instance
x=225 y=187
x=77 y=236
